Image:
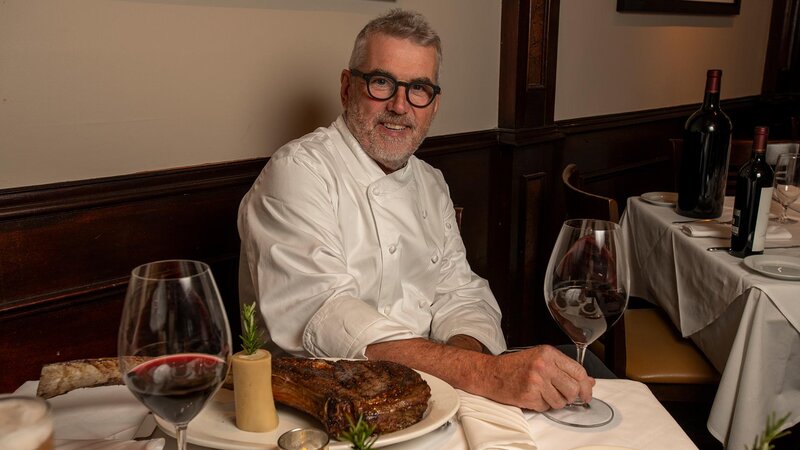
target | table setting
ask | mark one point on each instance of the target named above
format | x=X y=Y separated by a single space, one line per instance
x=741 y=312
x=168 y=388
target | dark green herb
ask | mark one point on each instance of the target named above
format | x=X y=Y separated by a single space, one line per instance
x=252 y=338
x=360 y=434
x=771 y=432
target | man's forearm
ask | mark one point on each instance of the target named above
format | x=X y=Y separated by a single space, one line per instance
x=538 y=378
x=458 y=366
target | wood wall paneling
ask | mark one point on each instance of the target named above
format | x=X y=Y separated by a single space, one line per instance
x=68 y=250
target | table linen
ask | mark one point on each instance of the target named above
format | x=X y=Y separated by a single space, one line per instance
x=640 y=421
x=78 y=422
x=747 y=324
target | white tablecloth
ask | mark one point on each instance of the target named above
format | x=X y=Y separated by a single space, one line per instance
x=640 y=422
x=748 y=325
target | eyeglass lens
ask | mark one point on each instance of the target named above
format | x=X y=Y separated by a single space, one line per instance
x=383 y=87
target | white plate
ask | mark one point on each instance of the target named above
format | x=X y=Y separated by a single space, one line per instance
x=215 y=426
x=775 y=266
x=602 y=447
x=661 y=198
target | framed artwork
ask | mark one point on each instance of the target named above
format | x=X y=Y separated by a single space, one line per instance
x=709 y=7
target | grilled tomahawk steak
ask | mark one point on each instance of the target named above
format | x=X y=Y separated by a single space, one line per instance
x=387 y=395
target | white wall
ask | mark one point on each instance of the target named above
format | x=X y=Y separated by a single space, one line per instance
x=94 y=88
x=610 y=62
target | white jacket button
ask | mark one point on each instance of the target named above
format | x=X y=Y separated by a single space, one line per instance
x=392 y=249
x=435 y=259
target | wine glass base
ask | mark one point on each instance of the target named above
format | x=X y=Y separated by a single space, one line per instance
x=596 y=413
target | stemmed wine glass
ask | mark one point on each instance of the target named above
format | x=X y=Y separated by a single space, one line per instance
x=787 y=183
x=174 y=341
x=586 y=290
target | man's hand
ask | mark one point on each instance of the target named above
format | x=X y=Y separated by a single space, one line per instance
x=538 y=378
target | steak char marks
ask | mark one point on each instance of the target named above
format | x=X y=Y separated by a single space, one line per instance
x=387 y=395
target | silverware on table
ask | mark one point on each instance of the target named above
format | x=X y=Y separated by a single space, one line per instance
x=725 y=222
x=726 y=248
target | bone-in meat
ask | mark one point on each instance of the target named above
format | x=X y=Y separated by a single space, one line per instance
x=387 y=395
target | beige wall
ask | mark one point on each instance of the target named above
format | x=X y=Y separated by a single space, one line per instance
x=609 y=62
x=94 y=88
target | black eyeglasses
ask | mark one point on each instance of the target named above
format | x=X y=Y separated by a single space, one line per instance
x=381 y=86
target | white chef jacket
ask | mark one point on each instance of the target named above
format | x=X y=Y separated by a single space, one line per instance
x=340 y=255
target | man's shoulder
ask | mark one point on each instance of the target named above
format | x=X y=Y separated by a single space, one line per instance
x=314 y=146
x=427 y=171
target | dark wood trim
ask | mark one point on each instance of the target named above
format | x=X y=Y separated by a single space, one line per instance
x=627 y=119
x=529 y=44
x=680 y=7
x=58 y=197
x=458 y=142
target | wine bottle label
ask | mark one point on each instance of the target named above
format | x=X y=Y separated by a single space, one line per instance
x=762 y=219
x=737 y=220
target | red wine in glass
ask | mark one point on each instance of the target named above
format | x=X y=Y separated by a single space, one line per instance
x=174 y=321
x=176 y=387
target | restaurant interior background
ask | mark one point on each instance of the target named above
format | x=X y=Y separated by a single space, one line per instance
x=130 y=129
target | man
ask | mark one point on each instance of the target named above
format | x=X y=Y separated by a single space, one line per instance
x=351 y=249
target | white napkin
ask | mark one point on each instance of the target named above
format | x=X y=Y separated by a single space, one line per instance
x=108 y=415
x=707 y=229
x=490 y=425
x=108 y=444
x=715 y=229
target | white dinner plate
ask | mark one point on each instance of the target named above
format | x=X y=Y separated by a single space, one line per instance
x=215 y=426
x=661 y=198
x=775 y=266
x=602 y=447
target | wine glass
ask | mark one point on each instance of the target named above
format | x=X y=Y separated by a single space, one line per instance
x=586 y=290
x=787 y=183
x=174 y=341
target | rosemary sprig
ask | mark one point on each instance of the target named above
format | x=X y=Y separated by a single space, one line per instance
x=252 y=338
x=360 y=434
x=771 y=432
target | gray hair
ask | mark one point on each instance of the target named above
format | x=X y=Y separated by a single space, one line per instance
x=399 y=24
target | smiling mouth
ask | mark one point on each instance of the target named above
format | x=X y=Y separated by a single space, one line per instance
x=394 y=126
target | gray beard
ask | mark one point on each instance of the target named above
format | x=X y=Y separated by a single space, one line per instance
x=370 y=141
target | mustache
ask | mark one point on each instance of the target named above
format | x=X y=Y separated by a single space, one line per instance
x=386 y=116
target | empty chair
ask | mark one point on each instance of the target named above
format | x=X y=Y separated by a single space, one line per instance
x=644 y=345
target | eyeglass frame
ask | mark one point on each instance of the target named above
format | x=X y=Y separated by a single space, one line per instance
x=397 y=83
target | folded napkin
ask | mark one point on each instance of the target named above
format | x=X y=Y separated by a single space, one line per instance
x=490 y=425
x=707 y=229
x=100 y=413
x=715 y=229
x=108 y=444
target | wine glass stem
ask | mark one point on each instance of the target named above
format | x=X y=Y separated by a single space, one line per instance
x=180 y=434
x=579 y=354
x=783 y=218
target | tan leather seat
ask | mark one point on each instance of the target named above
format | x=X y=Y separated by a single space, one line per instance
x=657 y=353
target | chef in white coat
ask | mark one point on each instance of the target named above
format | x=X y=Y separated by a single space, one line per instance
x=350 y=245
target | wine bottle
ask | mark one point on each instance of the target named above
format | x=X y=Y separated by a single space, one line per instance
x=753 y=197
x=704 y=162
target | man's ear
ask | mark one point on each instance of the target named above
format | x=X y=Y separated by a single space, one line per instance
x=344 y=93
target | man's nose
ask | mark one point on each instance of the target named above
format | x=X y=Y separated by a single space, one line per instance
x=399 y=103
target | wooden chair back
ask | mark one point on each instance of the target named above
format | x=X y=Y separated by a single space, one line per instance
x=585 y=205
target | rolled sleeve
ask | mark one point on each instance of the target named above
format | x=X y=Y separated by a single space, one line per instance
x=344 y=326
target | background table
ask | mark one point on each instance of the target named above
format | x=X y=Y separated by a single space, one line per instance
x=748 y=325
